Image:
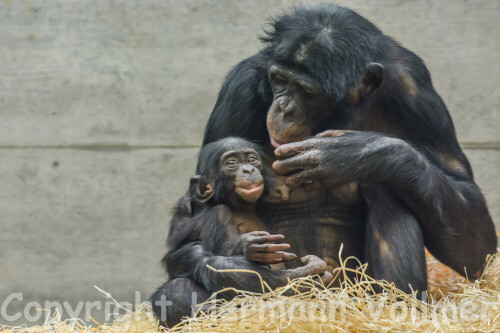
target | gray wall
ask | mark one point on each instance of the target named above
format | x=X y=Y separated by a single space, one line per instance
x=102 y=109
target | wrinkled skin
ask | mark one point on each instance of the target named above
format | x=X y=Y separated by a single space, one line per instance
x=326 y=161
x=259 y=246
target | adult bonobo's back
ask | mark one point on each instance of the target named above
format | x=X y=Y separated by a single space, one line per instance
x=391 y=168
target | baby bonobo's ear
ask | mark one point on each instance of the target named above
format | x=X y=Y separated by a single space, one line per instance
x=200 y=188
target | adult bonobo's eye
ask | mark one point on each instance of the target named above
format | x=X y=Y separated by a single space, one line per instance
x=280 y=80
x=231 y=162
x=309 y=92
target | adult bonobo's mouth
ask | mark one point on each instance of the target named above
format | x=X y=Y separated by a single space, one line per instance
x=275 y=143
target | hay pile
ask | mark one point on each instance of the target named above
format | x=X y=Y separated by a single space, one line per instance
x=454 y=305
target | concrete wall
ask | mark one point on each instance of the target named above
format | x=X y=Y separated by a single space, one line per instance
x=102 y=108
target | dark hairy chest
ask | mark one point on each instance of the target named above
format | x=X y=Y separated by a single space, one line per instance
x=319 y=223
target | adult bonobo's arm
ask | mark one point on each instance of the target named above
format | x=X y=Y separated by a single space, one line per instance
x=436 y=183
x=242 y=103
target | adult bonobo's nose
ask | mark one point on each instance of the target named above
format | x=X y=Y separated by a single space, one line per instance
x=286 y=105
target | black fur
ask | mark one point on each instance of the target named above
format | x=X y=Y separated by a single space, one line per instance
x=458 y=232
x=415 y=184
x=196 y=231
x=208 y=167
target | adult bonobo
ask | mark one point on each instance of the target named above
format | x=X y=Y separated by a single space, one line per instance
x=387 y=178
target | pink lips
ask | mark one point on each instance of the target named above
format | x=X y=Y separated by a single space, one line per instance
x=252 y=189
x=275 y=143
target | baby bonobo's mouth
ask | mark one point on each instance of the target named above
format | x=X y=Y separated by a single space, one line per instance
x=251 y=192
x=252 y=188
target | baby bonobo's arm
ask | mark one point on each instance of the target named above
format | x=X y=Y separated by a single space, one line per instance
x=245 y=227
x=240 y=228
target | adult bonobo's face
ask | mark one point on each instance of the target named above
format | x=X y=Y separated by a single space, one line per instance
x=242 y=168
x=299 y=106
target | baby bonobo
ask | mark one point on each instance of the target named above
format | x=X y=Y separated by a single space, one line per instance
x=217 y=219
x=230 y=179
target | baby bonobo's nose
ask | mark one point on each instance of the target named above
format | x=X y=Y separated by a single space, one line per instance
x=248 y=169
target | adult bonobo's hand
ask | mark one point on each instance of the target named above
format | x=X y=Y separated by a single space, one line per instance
x=337 y=157
x=257 y=246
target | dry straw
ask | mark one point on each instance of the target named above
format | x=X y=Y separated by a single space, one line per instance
x=455 y=305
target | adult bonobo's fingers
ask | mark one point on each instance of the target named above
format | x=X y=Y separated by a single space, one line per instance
x=302 y=178
x=311 y=186
x=306 y=160
x=264 y=248
x=291 y=149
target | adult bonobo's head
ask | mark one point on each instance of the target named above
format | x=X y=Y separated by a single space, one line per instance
x=323 y=65
x=229 y=171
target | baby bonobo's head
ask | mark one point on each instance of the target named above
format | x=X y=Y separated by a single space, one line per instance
x=229 y=171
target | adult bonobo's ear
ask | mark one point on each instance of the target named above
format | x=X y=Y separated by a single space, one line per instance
x=200 y=188
x=373 y=77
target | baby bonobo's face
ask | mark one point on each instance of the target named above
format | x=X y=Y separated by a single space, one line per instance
x=244 y=167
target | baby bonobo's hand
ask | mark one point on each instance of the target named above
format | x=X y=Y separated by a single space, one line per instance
x=257 y=246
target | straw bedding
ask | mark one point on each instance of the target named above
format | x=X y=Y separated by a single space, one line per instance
x=454 y=304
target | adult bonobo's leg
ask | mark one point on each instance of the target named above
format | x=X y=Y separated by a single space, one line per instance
x=394 y=247
x=177 y=298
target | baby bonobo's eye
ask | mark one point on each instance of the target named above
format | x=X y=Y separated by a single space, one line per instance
x=231 y=162
x=252 y=159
